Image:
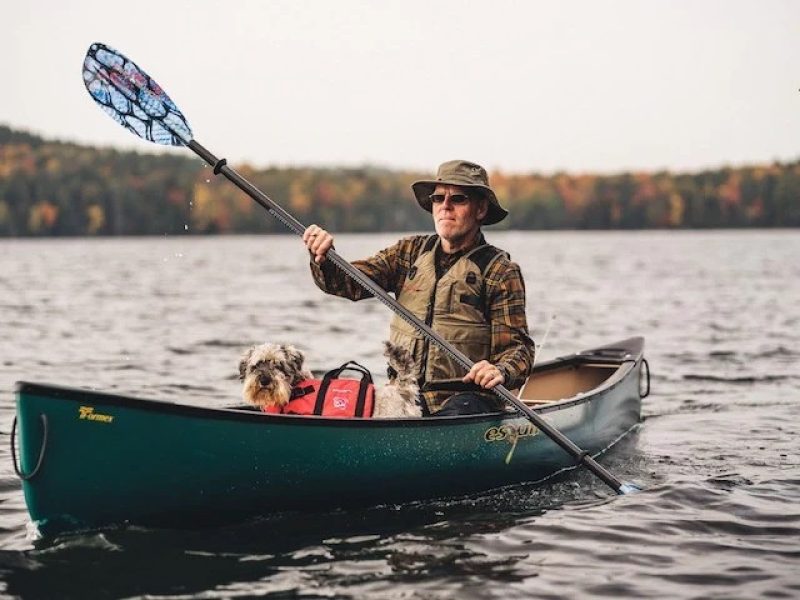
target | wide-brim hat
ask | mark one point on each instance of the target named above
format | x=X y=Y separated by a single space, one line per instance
x=463 y=174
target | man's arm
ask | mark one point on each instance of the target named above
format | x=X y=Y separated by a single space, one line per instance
x=512 y=350
x=387 y=268
x=512 y=347
x=331 y=280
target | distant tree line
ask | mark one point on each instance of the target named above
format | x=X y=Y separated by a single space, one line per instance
x=57 y=188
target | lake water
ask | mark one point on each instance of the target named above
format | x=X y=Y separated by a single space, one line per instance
x=718 y=451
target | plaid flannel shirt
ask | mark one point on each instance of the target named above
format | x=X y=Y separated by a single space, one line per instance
x=512 y=349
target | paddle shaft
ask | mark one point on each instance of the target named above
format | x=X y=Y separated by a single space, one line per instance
x=580 y=456
x=140 y=105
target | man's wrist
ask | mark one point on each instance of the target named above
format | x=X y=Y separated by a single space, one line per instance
x=503 y=372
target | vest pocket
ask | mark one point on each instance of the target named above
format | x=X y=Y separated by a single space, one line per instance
x=471 y=300
x=442 y=366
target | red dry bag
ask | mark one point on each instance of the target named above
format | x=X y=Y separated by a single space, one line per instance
x=332 y=396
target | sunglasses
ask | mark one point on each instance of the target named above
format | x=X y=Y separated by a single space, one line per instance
x=457 y=199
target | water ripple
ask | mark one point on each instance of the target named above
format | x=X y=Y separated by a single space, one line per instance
x=717 y=452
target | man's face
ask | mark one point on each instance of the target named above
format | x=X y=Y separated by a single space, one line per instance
x=456 y=221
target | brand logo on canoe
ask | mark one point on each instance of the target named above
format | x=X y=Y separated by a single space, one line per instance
x=87 y=413
x=509 y=433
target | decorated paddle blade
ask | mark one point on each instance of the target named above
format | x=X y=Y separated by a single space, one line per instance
x=132 y=98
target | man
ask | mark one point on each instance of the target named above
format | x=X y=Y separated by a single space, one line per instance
x=466 y=290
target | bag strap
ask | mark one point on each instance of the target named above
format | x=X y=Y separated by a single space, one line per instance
x=366 y=381
x=323 y=389
x=361 y=401
x=351 y=365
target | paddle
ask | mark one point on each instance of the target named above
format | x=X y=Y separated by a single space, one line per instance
x=139 y=104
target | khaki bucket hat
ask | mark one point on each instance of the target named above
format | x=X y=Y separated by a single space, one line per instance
x=464 y=174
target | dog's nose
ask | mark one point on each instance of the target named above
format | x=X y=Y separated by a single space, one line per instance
x=264 y=380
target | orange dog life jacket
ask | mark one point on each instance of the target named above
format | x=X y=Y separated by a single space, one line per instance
x=332 y=396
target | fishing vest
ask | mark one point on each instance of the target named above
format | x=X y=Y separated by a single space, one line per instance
x=453 y=305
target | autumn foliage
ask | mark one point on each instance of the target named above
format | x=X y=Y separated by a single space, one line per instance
x=56 y=188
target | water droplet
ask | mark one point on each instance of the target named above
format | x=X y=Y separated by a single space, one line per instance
x=208 y=181
x=186 y=227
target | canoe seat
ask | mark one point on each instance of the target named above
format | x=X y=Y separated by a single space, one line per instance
x=561 y=384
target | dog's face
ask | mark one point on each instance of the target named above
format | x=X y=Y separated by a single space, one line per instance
x=269 y=372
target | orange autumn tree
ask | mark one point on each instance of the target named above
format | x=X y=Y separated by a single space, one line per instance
x=56 y=188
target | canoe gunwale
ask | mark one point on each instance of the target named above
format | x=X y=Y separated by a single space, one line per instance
x=624 y=363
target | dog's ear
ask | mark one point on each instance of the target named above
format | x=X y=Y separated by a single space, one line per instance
x=243 y=363
x=294 y=357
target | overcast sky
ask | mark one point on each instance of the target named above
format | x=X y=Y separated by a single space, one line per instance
x=600 y=86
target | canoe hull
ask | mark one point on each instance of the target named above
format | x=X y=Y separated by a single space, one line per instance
x=113 y=459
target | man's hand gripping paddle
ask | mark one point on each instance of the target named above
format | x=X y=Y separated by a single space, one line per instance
x=138 y=103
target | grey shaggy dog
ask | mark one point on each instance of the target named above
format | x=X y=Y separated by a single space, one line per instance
x=269 y=372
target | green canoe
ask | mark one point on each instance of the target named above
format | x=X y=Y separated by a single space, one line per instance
x=90 y=460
